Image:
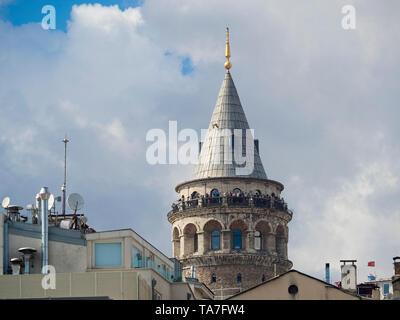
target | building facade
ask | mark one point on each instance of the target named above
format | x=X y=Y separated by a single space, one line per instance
x=115 y=264
x=229 y=227
x=295 y=285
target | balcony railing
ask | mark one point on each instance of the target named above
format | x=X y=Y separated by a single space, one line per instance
x=257 y=202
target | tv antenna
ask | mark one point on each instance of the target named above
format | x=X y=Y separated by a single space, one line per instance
x=75 y=202
x=64 y=187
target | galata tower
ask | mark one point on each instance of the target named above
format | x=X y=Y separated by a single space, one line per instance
x=229 y=230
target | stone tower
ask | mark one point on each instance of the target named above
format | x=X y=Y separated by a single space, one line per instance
x=228 y=230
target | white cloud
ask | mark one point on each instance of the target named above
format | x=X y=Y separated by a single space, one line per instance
x=323 y=102
x=346 y=226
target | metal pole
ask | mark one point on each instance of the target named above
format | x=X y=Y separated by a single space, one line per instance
x=64 y=187
x=44 y=196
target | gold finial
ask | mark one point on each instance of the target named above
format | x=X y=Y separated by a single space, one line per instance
x=228 y=64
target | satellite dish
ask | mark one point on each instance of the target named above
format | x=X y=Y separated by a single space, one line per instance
x=75 y=201
x=50 y=202
x=5 y=202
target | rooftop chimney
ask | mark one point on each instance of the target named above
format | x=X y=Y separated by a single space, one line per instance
x=16 y=265
x=396 y=262
x=349 y=275
x=327 y=273
x=28 y=252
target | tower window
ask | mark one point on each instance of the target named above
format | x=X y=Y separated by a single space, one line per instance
x=237 y=239
x=239 y=278
x=215 y=240
x=213 y=278
x=195 y=195
x=263 y=278
x=257 y=240
x=236 y=191
x=195 y=242
x=214 y=193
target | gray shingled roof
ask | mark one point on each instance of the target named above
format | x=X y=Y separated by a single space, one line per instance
x=228 y=114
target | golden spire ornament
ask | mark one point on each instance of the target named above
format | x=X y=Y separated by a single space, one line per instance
x=228 y=64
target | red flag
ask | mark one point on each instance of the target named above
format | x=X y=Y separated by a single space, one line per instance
x=371 y=264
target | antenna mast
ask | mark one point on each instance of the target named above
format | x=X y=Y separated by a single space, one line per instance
x=64 y=187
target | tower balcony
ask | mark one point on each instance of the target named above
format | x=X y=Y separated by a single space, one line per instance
x=272 y=203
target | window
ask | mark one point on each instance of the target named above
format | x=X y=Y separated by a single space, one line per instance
x=263 y=278
x=239 y=278
x=150 y=262
x=386 y=288
x=236 y=191
x=237 y=239
x=195 y=195
x=137 y=258
x=213 y=278
x=257 y=240
x=195 y=242
x=214 y=193
x=215 y=240
x=293 y=289
x=107 y=254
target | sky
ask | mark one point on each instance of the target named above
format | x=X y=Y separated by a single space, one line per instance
x=323 y=102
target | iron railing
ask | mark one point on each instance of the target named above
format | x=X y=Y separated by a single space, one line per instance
x=231 y=201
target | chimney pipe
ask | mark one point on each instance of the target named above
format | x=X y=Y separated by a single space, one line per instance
x=44 y=197
x=16 y=265
x=396 y=262
x=327 y=273
x=27 y=252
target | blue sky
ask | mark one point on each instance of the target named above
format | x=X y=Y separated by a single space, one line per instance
x=323 y=103
x=20 y=12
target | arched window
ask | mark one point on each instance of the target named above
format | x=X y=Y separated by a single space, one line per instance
x=213 y=278
x=236 y=191
x=239 y=278
x=195 y=195
x=195 y=242
x=263 y=278
x=237 y=239
x=257 y=240
x=215 y=240
x=214 y=193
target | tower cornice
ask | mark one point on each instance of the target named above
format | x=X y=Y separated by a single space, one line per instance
x=228 y=179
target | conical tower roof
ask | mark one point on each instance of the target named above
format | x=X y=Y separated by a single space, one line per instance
x=228 y=114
